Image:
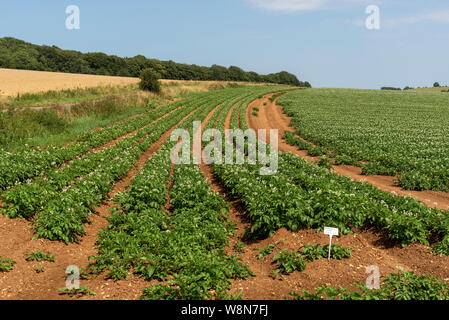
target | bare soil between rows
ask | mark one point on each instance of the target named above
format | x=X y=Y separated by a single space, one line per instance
x=370 y=246
x=271 y=117
x=23 y=283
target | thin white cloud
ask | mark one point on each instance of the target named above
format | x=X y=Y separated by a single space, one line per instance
x=306 y=5
x=438 y=16
x=289 y=5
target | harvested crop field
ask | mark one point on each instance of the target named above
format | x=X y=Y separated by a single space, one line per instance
x=14 y=81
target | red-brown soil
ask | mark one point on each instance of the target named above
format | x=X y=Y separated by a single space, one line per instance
x=369 y=246
x=24 y=283
x=271 y=117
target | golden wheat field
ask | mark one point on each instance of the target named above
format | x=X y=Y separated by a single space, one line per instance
x=13 y=82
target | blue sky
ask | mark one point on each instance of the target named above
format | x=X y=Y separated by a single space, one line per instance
x=322 y=41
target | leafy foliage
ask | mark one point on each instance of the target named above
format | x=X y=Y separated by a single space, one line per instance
x=82 y=291
x=288 y=261
x=149 y=80
x=303 y=196
x=18 y=54
x=397 y=286
x=6 y=264
x=239 y=246
x=18 y=167
x=324 y=162
x=442 y=248
x=184 y=249
x=315 y=251
x=39 y=269
x=374 y=127
x=265 y=251
x=391 y=88
x=40 y=256
x=86 y=181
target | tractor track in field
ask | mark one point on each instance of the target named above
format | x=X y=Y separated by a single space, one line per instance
x=263 y=286
x=317 y=273
x=168 y=208
x=272 y=117
x=24 y=283
x=370 y=247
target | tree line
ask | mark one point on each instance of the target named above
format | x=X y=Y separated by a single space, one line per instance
x=18 y=54
x=435 y=85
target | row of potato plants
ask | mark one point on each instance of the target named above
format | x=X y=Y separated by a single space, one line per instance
x=184 y=248
x=418 y=286
x=25 y=199
x=16 y=167
x=303 y=195
x=64 y=217
x=336 y=159
x=202 y=227
x=396 y=286
x=399 y=135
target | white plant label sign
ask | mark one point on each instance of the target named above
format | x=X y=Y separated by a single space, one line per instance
x=330 y=232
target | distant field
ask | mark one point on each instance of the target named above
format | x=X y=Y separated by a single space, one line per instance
x=224 y=230
x=432 y=89
x=25 y=81
x=399 y=133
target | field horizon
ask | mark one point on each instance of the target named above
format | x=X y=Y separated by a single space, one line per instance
x=176 y=153
x=257 y=228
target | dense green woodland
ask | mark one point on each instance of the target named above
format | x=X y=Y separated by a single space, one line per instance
x=18 y=54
